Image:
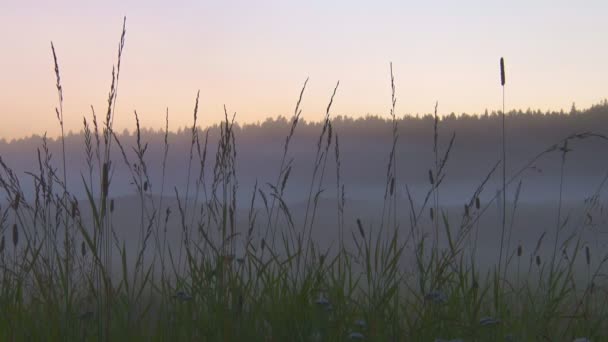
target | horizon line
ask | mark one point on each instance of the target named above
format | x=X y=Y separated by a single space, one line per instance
x=277 y=118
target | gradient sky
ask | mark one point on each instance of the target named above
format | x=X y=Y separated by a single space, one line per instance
x=254 y=56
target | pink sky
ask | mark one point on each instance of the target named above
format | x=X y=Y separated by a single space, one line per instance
x=254 y=56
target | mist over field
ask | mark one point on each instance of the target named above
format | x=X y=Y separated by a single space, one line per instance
x=364 y=147
x=131 y=210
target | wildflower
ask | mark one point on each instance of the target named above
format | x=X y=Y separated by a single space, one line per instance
x=87 y=315
x=324 y=302
x=183 y=296
x=361 y=323
x=316 y=336
x=356 y=336
x=487 y=321
x=436 y=297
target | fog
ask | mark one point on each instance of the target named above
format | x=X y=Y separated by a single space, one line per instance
x=537 y=160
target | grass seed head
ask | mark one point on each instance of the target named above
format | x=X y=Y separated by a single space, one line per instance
x=15 y=235
x=74 y=208
x=360 y=226
x=519 y=251
x=105 y=181
x=16 y=201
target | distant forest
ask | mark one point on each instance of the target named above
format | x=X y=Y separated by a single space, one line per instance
x=364 y=147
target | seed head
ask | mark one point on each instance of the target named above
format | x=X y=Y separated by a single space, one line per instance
x=15 y=235
x=519 y=251
x=360 y=226
x=105 y=181
x=74 y=208
x=502 y=71
x=16 y=201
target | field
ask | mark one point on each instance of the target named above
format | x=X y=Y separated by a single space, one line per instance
x=195 y=264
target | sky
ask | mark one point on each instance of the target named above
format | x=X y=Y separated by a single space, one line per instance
x=254 y=56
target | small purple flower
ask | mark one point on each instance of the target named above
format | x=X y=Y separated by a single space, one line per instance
x=183 y=296
x=487 y=321
x=436 y=297
x=356 y=336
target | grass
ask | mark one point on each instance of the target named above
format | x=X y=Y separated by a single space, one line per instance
x=398 y=283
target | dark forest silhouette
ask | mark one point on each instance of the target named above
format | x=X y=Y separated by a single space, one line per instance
x=364 y=147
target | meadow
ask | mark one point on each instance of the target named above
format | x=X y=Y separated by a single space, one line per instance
x=198 y=265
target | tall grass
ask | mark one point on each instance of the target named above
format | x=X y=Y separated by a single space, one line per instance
x=418 y=281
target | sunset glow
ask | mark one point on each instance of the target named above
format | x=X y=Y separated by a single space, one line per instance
x=254 y=57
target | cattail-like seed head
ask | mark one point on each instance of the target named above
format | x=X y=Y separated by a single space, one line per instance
x=432 y=213
x=146 y=186
x=587 y=255
x=2 y=244
x=431 y=179
x=502 y=71
x=111 y=205
x=538 y=260
x=83 y=249
x=263 y=244
x=15 y=235
x=477 y=203
x=392 y=185
x=466 y=210
x=519 y=251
